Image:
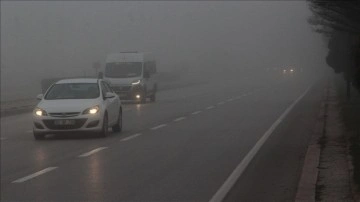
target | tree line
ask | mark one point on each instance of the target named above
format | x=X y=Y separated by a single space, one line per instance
x=339 y=22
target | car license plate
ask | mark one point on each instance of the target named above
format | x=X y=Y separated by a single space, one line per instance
x=64 y=122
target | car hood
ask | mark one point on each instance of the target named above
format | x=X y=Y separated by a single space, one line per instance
x=68 y=105
x=122 y=81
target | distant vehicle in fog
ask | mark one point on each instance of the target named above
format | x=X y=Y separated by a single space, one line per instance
x=290 y=70
x=77 y=105
x=132 y=75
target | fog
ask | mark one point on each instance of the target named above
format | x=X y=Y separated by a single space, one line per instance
x=64 y=38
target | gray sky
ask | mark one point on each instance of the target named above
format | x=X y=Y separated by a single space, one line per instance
x=63 y=38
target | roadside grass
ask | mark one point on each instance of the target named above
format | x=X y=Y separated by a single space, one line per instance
x=350 y=115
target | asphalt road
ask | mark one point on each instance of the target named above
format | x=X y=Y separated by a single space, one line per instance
x=181 y=148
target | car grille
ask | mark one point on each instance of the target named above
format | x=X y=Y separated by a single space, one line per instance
x=121 y=88
x=64 y=115
x=51 y=124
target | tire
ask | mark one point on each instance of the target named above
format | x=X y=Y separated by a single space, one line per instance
x=105 y=128
x=118 y=126
x=39 y=136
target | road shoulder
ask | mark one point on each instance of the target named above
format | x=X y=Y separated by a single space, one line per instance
x=326 y=174
x=275 y=171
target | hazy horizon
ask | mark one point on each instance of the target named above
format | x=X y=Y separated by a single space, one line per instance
x=55 y=39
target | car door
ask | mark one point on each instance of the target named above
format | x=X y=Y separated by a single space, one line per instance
x=109 y=103
x=116 y=103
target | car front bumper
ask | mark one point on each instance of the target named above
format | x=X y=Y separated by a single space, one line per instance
x=81 y=123
x=129 y=92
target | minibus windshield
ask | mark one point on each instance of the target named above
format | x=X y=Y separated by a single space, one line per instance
x=123 y=69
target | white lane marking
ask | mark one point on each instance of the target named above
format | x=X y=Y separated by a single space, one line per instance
x=179 y=119
x=41 y=172
x=131 y=137
x=235 y=175
x=229 y=100
x=197 y=112
x=221 y=103
x=92 y=152
x=159 y=126
x=210 y=107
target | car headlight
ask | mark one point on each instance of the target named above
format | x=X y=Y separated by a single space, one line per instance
x=92 y=110
x=39 y=112
x=136 y=82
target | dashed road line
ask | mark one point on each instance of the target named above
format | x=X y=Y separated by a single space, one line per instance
x=231 y=99
x=197 y=112
x=179 y=119
x=92 y=152
x=131 y=137
x=158 y=127
x=221 y=103
x=210 y=107
x=41 y=172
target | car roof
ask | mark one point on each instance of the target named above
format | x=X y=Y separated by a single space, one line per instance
x=79 y=80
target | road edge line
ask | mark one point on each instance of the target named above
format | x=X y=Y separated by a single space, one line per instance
x=306 y=190
x=236 y=174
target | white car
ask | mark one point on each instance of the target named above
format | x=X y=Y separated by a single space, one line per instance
x=77 y=105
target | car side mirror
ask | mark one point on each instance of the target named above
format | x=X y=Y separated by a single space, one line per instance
x=40 y=96
x=109 y=95
x=146 y=75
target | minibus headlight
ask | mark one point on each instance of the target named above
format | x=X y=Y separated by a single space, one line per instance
x=136 y=82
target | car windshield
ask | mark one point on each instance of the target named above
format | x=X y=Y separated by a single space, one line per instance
x=123 y=69
x=73 y=91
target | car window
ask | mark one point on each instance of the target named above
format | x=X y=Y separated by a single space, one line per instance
x=108 y=87
x=73 y=91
